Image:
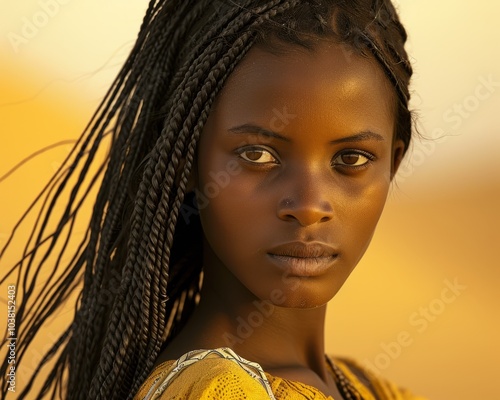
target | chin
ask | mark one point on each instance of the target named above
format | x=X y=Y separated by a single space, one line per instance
x=302 y=293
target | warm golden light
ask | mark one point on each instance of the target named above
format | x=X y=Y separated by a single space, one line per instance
x=421 y=308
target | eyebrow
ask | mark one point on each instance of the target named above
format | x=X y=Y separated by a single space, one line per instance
x=360 y=137
x=258 y=130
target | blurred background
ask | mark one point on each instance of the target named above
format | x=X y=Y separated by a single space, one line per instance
x=422 y=306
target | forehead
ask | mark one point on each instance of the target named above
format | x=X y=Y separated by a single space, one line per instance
x=328 y=81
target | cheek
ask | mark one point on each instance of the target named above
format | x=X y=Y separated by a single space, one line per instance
x=227 y=219
x=233 y=213
x=233 y=228
x=362 y=216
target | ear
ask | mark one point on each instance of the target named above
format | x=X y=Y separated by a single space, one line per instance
x=398 y=152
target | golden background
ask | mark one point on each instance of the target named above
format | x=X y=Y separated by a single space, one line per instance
x=440 y=227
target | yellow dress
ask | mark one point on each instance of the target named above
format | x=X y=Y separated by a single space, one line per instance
x=222 y=374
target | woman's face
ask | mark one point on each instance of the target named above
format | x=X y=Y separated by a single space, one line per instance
x=294 y=166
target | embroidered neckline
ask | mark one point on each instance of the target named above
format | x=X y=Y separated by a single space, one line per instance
x=253 y=369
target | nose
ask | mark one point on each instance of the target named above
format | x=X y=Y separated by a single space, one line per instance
x=307 y=203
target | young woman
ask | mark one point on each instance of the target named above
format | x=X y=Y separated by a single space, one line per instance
x=254 y=143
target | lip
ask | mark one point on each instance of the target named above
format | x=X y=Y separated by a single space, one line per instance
x=303 y=259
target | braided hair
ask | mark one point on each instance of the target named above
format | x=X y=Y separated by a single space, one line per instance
x=140 y=259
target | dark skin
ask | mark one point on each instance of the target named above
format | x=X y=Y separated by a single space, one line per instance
x=308 y=138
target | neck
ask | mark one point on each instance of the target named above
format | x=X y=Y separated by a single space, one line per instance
x=277 y=338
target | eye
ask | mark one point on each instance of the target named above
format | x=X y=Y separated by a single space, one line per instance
x=257 y=155
x=353 y=159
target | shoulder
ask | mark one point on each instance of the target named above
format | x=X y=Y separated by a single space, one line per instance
x=202 y=377
x=367 y=381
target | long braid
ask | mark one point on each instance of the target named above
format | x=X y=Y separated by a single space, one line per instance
x=92 y=311
x=146 y=232
x=83 y=146
x=212 y=86
x=152 y=202
x=141 y=280
x=93 y=282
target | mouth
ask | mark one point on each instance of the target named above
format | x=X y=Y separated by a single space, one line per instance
x=303 y=259
x=303 y=250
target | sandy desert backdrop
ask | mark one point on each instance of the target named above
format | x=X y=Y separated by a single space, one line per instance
x=422 y=306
